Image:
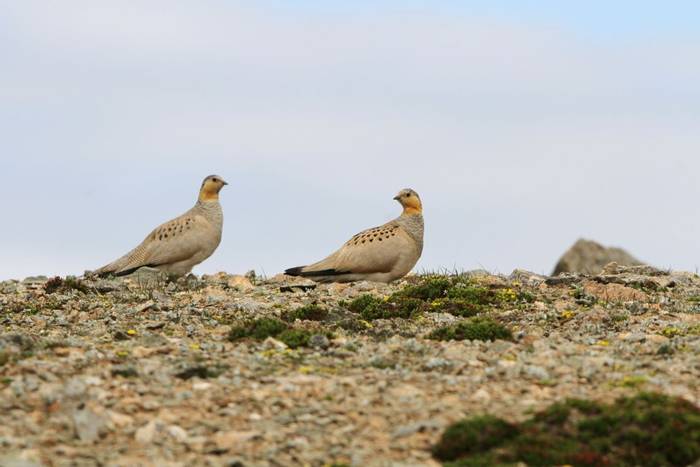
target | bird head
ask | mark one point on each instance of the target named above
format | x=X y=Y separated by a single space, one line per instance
x=211 y=186
x=410 y=201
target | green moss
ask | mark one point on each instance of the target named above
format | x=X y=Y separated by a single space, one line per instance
x=581 y=297
x=647 y=430
x=125 y=371
x=383 y=362
x=57 y=284
x=671 y=332
x=295 y=338
x=472 y=436
x=200 y=371
x=370 y=307
x=365 y=303
x=28 y=307
x=630 y=381
x=458 y=295
x=430 y=288
x=259 y=329
x=477 y=328
x=354 y=325
x=457 y=307
x=263 y=328
x=526 y=297
x=310 y=312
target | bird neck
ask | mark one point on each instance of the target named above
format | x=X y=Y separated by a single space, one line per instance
x=413 y=225
x=207 y=195
x=411 y=206
x=412 y=211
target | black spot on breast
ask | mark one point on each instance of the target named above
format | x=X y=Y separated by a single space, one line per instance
x=160 y=237
x=363 y=241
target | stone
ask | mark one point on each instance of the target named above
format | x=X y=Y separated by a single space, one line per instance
x=436 y=363
x=147 y=432
x=535 y=372
x=271 y=343
x=241 y=283
x=589 y=257
x=319 y=341
x=177 y=432
x=229 y=440
x=88 y=424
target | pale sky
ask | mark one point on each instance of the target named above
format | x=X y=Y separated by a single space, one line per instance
x=523 y=125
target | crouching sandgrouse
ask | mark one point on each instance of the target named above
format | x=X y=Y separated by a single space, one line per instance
x=178 y=245
x=381 y=254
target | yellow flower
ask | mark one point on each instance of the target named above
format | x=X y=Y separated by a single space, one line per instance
x=671 y=332
x=567 y=314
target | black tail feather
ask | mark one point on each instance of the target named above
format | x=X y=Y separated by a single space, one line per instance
x=299 y=271
x=124 y=272
x=294 y=271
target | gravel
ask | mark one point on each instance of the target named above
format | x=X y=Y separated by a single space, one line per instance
x=139 y=371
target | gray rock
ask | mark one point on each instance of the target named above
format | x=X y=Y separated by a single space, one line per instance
x=589 y=257
x=319 y=341
x=108 y=285
x=526 y=277
x=535 y=372
x=88 y=425
x=437 y=363
x=417 y=427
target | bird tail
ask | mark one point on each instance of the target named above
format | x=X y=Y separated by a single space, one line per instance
x=303 y=272
x=111 y=268
x=120 y=267
x=107 y=270
x=297 y=271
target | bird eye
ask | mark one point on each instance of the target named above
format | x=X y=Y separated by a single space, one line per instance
x=215 y=179
x=407 y=195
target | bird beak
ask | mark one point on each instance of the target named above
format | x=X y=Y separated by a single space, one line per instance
x=397 y=197
x=224 y=182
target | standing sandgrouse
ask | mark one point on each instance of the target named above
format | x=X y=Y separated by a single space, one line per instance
x=178 y=245
x=381 y=254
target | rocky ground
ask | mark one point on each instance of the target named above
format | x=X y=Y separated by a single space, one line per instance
x=144 y=372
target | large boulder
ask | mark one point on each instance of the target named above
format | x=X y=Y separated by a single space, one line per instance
x=589 y=257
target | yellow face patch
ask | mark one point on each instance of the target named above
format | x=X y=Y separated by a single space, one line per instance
x=210 y=191
x=412 y=205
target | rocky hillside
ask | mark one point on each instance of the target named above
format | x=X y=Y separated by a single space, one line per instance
x=233 y=370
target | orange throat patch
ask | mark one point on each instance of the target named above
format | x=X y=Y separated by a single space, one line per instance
x=412 y=207
x=412 y=210
x=208 y=194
